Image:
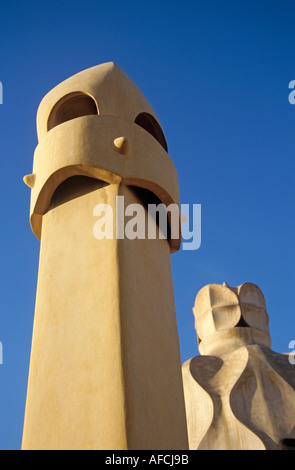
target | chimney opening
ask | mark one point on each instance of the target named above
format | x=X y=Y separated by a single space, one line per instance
x=71 y=106
x=149 y=123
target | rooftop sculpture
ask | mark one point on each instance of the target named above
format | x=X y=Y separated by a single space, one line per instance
x=239 y=394
x=105 y=369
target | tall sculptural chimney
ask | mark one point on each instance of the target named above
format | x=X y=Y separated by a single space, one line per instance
x=105 y=368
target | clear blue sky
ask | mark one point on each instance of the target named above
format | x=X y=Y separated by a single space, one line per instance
x=217 y=75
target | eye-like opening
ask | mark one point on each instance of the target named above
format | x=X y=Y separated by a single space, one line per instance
x=149 y=123
x=71 y=106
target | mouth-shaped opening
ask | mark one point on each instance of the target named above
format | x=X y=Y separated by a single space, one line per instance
x=147 y=199
x=74 y=187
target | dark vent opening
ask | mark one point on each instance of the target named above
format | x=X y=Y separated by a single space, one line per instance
x=147 y=197
x=71 y=106
x=149 y=123
x=242 y=323
x=74 y=187
x=287 y=444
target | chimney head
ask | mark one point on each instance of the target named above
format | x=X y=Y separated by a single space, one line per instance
x=223 y=313
x=98 y=123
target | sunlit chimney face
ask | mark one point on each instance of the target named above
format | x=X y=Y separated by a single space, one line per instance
x=98 y=124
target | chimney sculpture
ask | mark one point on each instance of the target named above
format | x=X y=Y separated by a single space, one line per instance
x=105 y=369
x=239 y=394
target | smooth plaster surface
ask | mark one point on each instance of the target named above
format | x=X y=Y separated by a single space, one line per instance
x=105 y=368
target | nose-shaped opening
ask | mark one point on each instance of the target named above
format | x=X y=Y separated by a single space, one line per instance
x=149 y=123
x=71 y=106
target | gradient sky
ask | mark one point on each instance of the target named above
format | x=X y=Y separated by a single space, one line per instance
x=217 y=75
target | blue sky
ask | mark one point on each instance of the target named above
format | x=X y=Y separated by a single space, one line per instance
x=217 y=75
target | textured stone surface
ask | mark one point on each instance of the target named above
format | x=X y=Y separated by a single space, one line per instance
x=239 y=394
